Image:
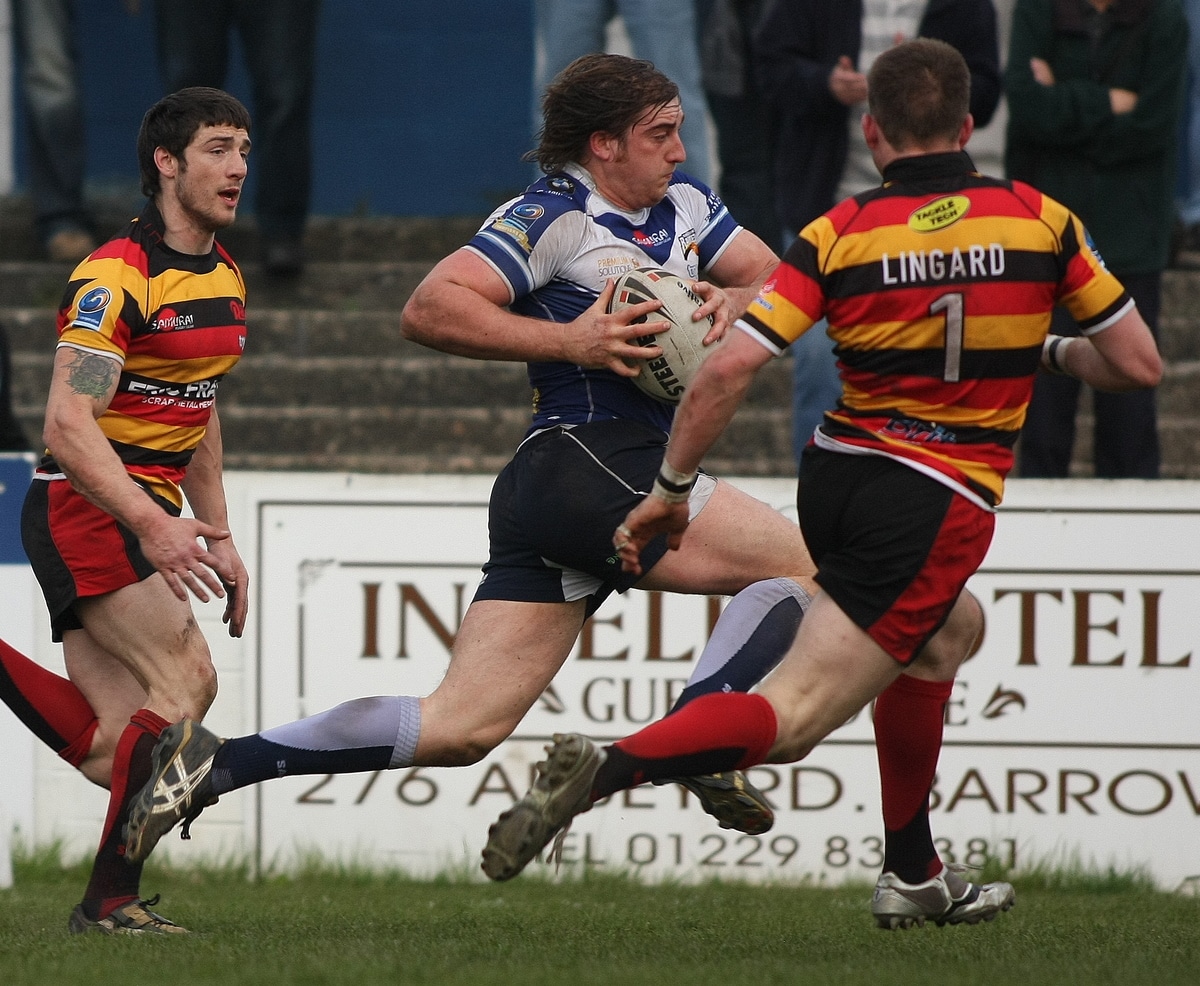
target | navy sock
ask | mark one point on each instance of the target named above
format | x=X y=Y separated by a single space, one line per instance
x=751 y=637
x=251 y=759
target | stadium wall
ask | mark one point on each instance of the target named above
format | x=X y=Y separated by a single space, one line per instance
x=1070 y=736
x=422 y=107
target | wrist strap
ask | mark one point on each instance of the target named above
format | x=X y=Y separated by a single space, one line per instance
x=1054 y=353
x=672 y=485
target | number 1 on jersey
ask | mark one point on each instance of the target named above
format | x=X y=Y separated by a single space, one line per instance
x=952 y=305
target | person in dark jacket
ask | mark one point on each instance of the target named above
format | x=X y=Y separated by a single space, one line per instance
x=1095 y=92
x=12 y=435
x=811 y=58
x=741 y=116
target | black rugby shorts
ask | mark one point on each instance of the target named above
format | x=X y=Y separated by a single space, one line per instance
x=554 y=508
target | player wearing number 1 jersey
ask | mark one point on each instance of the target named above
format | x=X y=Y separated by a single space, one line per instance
x=938 y=289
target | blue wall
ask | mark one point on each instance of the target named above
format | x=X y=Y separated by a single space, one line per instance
x=423 y=106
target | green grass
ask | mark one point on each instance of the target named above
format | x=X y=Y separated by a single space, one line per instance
x=339 y=925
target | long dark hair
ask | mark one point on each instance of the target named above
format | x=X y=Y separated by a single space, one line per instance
x=599 y=93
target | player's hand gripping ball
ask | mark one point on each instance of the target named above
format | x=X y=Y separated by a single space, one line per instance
x=667 y=376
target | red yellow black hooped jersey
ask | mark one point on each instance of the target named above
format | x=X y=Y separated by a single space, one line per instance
x=938 y=288
x=176 y=323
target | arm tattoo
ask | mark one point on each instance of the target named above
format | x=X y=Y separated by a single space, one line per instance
x=91 y=375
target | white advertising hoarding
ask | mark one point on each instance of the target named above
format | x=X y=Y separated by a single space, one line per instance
x=19 y=600
x=1070 y=736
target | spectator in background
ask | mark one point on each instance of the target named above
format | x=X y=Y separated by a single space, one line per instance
x=739 y=113
x=12 y=435
x=1095 y=92
x=48 y=72
x=813 y=57
x=279 y=40
x=1188 y=188
x=660 y=31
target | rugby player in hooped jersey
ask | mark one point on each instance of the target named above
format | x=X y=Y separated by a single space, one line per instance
x=149 y=324
x=898 y=489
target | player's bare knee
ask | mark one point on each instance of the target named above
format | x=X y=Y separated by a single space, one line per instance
x=206 y=688
x=198 y=690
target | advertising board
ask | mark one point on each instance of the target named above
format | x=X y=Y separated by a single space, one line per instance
x=1070 y=736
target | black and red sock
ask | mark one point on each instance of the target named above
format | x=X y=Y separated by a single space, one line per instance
x=114 y=881
x=909 y=720
x=50 y=705
x=716 y=732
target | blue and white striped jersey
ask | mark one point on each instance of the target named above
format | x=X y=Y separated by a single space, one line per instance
x=557 y=244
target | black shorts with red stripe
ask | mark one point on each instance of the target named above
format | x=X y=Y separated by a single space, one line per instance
x=894 y=548
x=76 y=550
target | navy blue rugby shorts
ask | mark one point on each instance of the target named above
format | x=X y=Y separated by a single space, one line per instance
x=555 y=506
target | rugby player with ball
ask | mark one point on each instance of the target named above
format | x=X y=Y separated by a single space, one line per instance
x=535 y=285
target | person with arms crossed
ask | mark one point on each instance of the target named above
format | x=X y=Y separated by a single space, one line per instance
x=1095 y=95
x=534 y=285
x=938 y=286
x=148 y=326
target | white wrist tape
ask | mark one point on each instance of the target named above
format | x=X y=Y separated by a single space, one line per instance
x=1054 y=353
x=672 y=485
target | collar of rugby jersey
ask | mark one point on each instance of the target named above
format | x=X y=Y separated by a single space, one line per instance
x=924 y=167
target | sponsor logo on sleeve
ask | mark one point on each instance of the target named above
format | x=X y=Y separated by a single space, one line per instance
x=92 y=306
x=1091 y=245
x=516 y=223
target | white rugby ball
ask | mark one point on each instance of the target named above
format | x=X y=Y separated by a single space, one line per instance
x=666 y=377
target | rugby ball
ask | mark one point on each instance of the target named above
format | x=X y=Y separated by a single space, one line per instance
x=665 y=377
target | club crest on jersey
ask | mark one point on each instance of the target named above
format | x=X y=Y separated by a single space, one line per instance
x=691 y=251
x=939 y=214
x=91 y=309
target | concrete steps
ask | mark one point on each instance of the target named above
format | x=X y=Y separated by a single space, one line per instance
x=328 y=383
